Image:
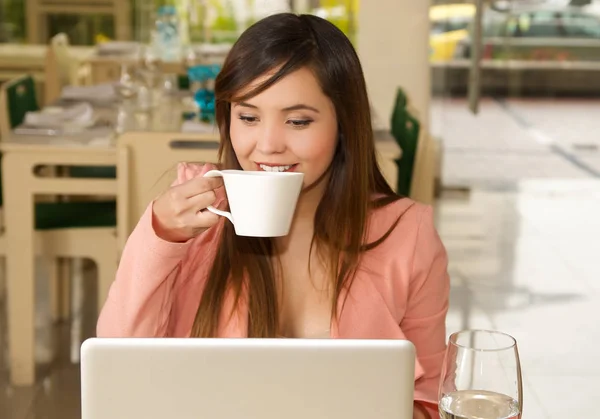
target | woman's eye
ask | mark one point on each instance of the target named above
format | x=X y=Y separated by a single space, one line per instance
x=300 y=123
x=248 y=119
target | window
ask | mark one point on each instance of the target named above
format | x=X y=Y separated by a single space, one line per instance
x=449 y=25
x=545 y=24
x=583 y=26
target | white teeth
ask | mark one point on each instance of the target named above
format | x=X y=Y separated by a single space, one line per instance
x=275 y=168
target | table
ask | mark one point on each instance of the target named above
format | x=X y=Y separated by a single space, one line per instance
x=21 y=154
x=16 y=59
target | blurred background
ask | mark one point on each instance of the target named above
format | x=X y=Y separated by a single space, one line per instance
x=488 y=110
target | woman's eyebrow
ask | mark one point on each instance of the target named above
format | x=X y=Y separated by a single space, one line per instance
x=300 y=106
x=297 y=107
x=246 y=105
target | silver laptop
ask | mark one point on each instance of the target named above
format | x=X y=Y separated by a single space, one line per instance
x=247 y=379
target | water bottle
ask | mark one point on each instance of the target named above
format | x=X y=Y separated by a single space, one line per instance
x=203 y=78
x=167 y=36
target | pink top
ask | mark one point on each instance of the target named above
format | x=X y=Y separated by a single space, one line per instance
x=400 y=291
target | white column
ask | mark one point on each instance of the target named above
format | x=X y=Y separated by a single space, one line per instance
x=393 y=44
x=263 y=8
x=301 y=6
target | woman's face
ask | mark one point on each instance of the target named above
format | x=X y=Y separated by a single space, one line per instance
x=291 y=126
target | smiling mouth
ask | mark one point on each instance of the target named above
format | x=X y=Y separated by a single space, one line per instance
x=271 y=168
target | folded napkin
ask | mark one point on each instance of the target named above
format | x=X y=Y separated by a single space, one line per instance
x=104 y=92
x=199 y=127
x=80 y=115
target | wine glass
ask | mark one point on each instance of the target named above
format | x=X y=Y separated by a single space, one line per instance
x=481 y=377
x=126 y=88
x=150 y=73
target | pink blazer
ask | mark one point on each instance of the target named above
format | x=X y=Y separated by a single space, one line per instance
x=400 y=292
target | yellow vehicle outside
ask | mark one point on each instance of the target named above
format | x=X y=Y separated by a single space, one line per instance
x=449 y=26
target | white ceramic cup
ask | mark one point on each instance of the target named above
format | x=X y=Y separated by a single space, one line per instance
x=262 y=204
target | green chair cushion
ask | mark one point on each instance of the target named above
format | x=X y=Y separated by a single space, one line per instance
x=100 y=172
x=21 y=98
x=183 y=82
x=57 y=215
x=405 y=128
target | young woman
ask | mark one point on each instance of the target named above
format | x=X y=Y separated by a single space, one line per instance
x=359 y=262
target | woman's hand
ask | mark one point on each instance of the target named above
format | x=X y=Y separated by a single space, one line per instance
x=178 y=212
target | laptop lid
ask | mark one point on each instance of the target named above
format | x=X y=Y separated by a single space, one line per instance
x=247 y=379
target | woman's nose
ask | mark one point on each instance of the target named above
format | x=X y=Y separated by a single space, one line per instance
x=271 y=140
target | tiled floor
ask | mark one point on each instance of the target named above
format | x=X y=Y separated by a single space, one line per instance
x=525 y=262
x=524 y=248
x=524 y=243
x=56 y=395
x=514 y=139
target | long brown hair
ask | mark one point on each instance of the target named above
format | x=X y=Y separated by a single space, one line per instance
x=286 y=43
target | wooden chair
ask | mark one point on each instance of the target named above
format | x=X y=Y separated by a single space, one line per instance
x=63 y=230
x=62 y=69
x=405 y=129
x=38 y=12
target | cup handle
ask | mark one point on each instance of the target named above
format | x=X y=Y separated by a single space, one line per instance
x=216 y=173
